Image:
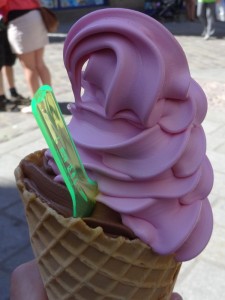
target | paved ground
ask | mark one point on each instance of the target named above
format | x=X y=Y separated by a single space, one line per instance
x=200 y=279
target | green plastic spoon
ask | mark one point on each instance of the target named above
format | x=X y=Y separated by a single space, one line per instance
x=48 y=115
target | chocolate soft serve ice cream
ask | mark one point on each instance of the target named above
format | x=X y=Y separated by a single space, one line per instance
x=137 y=127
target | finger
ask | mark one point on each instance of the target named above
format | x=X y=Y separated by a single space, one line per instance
x=176 y=296
x=26 y=283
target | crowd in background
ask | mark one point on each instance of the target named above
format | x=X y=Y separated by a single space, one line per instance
x=23 y=35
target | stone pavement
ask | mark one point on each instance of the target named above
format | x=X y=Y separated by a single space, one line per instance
x=201 y=278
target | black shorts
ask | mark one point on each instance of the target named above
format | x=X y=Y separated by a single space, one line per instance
x=7 y=58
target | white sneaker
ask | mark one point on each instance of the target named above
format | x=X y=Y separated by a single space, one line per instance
x=26 y=109
x=206 y=37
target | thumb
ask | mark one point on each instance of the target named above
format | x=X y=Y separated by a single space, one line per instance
x=176 y=296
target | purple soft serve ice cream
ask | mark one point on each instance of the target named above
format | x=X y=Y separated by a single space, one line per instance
x=137 y=127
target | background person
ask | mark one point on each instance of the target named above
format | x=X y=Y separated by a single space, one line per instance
x=190 y=9
x=7 y=60
x=5 y=104
x=15 y=97
x=206 y=10
x=27 y=36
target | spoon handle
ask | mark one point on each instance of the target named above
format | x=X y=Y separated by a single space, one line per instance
x=48 y=115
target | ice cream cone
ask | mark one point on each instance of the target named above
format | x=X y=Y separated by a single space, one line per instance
x=78 y=262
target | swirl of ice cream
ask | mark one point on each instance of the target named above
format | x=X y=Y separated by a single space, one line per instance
x=138 y=128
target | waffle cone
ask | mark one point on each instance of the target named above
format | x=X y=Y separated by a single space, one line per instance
x=78 y=262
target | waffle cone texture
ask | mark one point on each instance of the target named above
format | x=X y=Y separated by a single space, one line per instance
x=78 y=262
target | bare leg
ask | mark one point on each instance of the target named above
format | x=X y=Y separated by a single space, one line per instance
x=191 y=10
x=1 y=84
x=42 y=69
x=9 y=75
x=28 y=62
x=5 y=105
x=14 y=96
